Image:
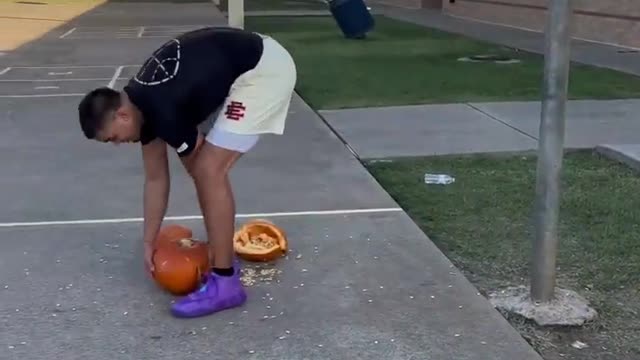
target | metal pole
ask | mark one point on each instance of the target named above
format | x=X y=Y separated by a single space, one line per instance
x=550 y=150
x=236 y=13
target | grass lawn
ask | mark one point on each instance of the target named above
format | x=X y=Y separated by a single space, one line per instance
x=483 y=223
x=402 y=63
x=259 y=5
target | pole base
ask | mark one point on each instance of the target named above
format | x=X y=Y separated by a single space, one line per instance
x=566 y=309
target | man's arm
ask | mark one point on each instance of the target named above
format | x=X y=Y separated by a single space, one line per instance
x=156 y=187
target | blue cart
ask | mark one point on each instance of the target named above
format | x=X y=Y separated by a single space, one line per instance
x=353 y=17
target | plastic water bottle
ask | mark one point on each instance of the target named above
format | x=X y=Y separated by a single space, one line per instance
x=440 y=179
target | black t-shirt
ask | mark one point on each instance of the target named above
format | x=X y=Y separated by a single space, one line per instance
x=188 y=78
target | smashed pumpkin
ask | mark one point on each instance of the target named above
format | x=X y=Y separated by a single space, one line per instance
x=260 y=241
x=179 y=260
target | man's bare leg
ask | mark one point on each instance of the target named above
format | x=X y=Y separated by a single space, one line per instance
x=222 y=288
x=217 y=202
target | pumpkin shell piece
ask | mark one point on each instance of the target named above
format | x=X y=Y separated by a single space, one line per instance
x=260 y=241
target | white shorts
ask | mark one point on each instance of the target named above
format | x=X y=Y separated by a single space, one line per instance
x=258 y=101
x=232 y=141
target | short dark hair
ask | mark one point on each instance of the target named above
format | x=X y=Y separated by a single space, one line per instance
x=94 y=108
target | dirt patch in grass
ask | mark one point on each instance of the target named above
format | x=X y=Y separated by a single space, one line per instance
x=483 y=222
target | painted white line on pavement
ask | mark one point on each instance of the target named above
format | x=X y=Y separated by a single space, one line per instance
x=115 y=77
x=67 y=33
x=38 y=95
x=198 y=217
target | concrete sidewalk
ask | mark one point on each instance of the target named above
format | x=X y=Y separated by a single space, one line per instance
x=424 y=130
x=586 y=52
x=362 y=281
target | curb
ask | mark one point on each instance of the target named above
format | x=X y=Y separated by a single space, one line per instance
x=628 y=154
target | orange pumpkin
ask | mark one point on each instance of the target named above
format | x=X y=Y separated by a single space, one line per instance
x=260 y=240
x=179 y=261
x=172 y=232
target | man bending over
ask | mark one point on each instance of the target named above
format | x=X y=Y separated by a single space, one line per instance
x=239 y=82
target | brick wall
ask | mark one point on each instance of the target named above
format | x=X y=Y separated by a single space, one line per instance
x=610 y=21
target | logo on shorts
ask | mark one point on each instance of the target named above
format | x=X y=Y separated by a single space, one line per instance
x=235 y=110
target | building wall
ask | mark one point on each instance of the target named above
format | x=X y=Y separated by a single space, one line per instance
x=414 y=4
x=609 y=21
